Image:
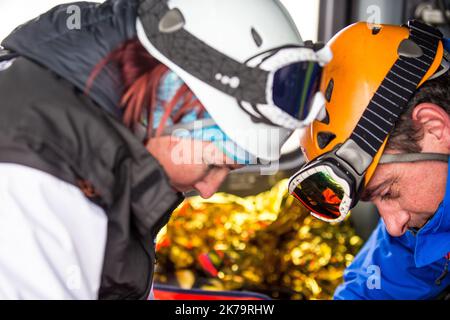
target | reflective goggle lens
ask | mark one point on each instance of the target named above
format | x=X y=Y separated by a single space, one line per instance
x=320 y=193
x=294 y=87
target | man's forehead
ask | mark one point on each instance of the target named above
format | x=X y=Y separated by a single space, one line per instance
x=380 y=175
x=384 y=174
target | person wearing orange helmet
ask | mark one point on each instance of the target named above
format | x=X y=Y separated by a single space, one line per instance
x=384 y=136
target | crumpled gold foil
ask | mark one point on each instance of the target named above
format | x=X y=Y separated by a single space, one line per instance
x=266 y=243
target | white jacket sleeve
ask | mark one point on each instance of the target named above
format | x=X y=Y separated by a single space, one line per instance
x=52 y=238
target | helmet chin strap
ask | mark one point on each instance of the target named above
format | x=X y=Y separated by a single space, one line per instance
x=413 y=157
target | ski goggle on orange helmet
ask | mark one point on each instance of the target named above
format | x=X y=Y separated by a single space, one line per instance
x=375 y=71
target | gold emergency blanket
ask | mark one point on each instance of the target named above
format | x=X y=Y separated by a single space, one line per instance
x=266 y=243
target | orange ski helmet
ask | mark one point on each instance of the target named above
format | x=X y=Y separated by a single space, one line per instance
x=363 y=55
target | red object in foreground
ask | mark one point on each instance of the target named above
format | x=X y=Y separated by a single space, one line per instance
x=163 y=292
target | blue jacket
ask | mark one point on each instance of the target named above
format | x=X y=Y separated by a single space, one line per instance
x=447 y=45
x=406 y=267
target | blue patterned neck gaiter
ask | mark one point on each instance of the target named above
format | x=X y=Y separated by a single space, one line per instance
x=169 y=85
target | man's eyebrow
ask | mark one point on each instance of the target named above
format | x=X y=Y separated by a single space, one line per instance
x=368 y=193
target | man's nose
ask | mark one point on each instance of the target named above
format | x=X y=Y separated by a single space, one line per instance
x=395 y=219
x=211 y=184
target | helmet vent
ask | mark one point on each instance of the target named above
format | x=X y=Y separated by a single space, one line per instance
x=257 y=37
x=329 y=91
x=376 y=30
x=324 y=139
x=325 y=119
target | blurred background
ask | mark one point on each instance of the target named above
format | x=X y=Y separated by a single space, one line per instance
x=251 y=236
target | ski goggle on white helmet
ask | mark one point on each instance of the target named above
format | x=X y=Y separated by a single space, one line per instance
x=244 y=60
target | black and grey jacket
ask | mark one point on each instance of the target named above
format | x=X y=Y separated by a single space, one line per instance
x=48 y=123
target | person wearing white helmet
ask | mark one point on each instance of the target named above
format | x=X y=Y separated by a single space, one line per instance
x=104 y=126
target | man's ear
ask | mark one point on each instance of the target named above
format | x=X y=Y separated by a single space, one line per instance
x=435 y=124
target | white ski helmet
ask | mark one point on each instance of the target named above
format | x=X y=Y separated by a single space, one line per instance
x=244 y=60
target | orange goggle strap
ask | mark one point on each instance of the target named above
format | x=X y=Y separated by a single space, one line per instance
x=394 y=93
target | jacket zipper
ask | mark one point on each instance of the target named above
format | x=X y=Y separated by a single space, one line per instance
x=445 y=272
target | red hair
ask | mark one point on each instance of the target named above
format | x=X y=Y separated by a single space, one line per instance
x=141 y=75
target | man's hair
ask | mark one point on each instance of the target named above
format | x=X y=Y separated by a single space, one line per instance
x=407 y=134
